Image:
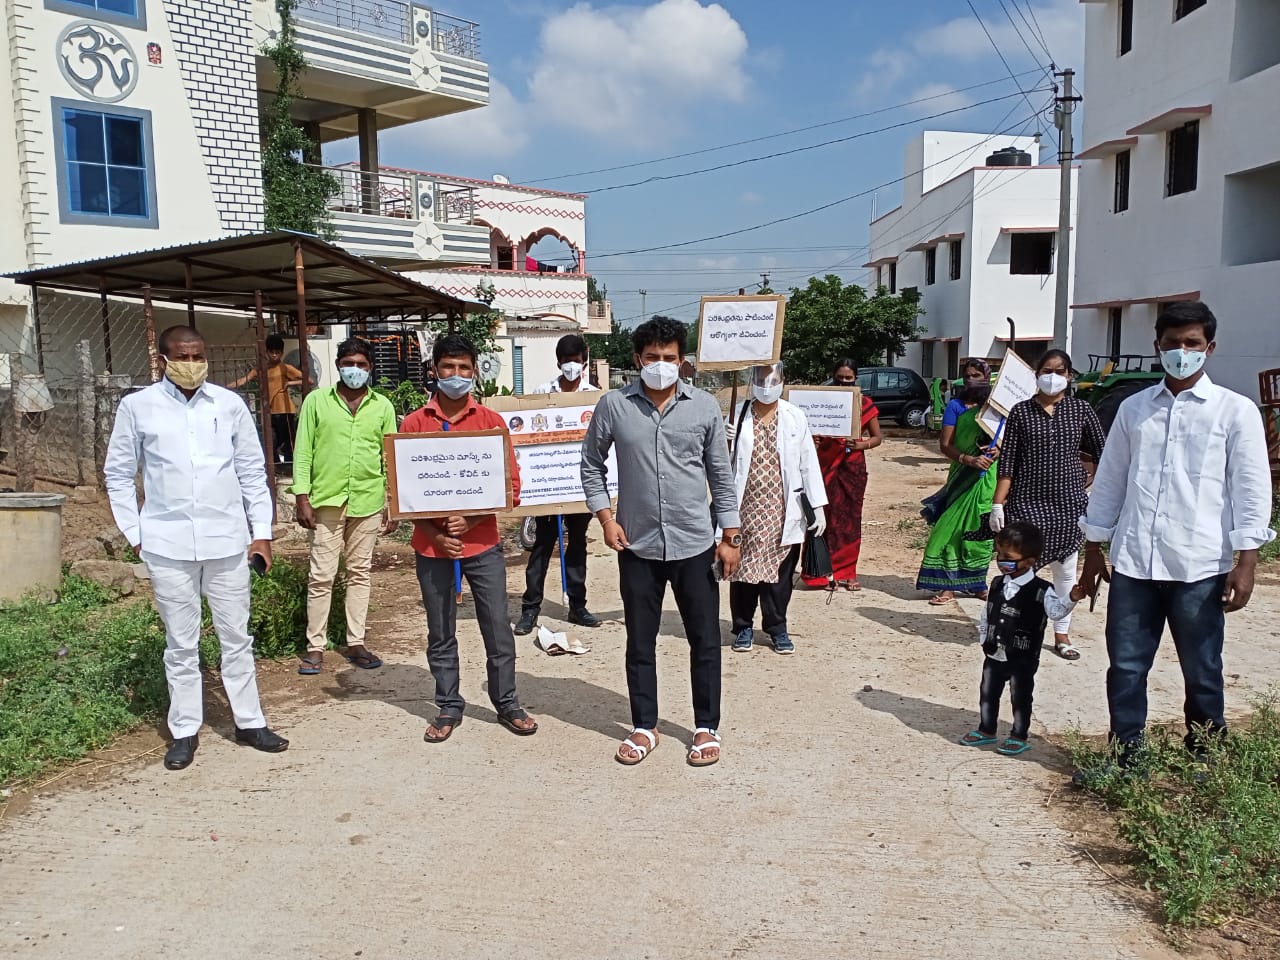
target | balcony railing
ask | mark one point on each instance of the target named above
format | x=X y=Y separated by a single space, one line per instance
x=404 y=196
x=393 y=20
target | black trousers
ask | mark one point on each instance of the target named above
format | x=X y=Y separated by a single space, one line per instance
x=772 y=598
x=284 y=427
x=644 y=586
x=547 y=543
x=1019 y=672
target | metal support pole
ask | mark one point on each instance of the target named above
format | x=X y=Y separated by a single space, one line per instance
x=191 y=303
x=733 y=393
x=1066 y=154
x=86 y=408
x=149 y=321
x=264 y=407
x=106 y=321
x=35 y=323
x=304 y=352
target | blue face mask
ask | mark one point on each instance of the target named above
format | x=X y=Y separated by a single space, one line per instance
x=455 y=388
x=1008 y=566
x=354 y=377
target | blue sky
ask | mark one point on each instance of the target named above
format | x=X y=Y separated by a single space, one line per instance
x=592 y=85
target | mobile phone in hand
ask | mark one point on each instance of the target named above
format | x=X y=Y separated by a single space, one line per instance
x=717 y=569
x=258 y=564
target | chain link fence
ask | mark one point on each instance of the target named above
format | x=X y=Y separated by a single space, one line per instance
x=68 y=360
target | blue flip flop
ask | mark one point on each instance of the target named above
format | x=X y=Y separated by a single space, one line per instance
x=1012 y=746
x=976 y=738
x=369 y=660
x=310 y=668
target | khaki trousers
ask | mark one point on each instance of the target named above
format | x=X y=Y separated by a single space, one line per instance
x=350 y=539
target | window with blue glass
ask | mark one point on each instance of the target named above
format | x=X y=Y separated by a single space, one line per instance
x=129 y=13
x=105 y=165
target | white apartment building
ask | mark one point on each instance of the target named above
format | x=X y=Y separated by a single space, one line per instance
x=976 y=237
x=1180 y=186
x=137 y=127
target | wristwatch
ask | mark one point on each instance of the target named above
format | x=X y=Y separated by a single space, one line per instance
x=734 y=541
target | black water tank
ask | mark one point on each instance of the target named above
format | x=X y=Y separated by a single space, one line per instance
x=1009 y=157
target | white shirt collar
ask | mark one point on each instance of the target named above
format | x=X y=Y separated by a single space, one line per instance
x=1201 y=389
x=172 y=389
x=1013 y=584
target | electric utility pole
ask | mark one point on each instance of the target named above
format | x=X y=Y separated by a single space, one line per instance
x=1063 y=112
x=644 y=316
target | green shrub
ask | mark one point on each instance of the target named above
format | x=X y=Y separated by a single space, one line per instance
x=278 y=620
x=1207 y=835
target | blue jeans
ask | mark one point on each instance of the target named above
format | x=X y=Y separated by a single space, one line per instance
x=1137 y=611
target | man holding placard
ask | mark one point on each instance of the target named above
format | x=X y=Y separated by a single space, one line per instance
x=670 y=444
x=571 y=355
x=472 y=542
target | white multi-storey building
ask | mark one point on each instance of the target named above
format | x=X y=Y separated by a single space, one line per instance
x=1180 y=187
x=137 y=126
x=976 y=236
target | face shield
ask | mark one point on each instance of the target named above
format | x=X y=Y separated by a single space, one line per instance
x=767 y=375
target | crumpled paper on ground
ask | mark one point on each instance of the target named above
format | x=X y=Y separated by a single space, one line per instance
x=558 y=644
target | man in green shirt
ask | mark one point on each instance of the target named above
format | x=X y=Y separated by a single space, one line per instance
x=340 y=481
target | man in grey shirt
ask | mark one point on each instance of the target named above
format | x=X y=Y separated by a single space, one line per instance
x=670 y=444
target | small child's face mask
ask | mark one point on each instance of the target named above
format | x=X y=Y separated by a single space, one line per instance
x=1013 y=566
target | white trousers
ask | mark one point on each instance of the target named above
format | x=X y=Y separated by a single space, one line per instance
x=178 y=586
x=1064 y=578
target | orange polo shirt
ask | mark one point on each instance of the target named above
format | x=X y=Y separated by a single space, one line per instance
x=430 y=419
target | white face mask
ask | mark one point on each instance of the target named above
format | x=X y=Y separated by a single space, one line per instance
x=659 y=375
x=571 y=371
x=767 y=395
x=1182 y=364
x=1051 y=384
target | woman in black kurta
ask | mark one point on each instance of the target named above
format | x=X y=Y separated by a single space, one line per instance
x=1048 y=454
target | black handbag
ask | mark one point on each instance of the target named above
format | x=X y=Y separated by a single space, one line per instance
x=816 y=563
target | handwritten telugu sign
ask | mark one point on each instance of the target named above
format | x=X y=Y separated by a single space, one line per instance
x=1015 y=382
x=547 y=431
x=738 y=332
x=831 y=411
x=448 y=474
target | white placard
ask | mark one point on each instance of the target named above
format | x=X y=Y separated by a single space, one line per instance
x=737 y=332
x=831 y=413
x=459 y=474
x=990 y=420
x=1015 y=382
x=551 y=476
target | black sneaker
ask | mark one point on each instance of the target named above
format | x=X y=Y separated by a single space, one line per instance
x=584 y=618
x=524 y=626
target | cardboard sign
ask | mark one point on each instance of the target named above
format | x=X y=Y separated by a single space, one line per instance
x=831 y=411
x=1015 y=382
x=739 y=332
x=448 y=474
x=547 y=430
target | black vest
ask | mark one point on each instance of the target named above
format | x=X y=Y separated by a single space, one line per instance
x=1019 y=623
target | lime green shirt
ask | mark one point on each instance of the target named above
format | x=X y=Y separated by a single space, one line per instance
x=337 y=457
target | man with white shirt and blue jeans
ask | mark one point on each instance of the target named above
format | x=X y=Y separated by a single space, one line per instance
x=205 y=499
x=1183 y=495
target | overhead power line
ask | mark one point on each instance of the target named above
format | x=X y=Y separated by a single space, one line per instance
x=999 y=53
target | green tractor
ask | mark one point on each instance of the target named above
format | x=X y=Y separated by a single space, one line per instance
x=1111 y=379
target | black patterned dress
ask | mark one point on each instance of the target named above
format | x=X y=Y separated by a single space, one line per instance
x=1041 y=454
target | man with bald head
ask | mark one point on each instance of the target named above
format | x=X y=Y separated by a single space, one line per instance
x=206 y=515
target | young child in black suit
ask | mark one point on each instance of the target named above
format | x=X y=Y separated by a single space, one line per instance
x=1011 y=629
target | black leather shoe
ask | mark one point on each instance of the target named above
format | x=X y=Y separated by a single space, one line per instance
x=181 y=752
x=524 y=626
x=584 y=618
x=261 y=738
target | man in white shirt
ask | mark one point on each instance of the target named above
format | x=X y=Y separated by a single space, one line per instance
x=1183 y=484
x=205 y=497
x=571 y=355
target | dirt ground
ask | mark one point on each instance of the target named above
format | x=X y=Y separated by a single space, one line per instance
x=844 y=820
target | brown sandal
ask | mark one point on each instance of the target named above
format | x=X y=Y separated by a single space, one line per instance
x=441 y=723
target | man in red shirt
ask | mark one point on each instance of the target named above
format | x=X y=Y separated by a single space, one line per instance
x=473 y=541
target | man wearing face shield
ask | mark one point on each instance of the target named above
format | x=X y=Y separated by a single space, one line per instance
x=571 y=355
x=775 y=463
x=204 y=500
x=670 y=444
x=340 y=481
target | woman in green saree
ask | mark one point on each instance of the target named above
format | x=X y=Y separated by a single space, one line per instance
x=958 y=554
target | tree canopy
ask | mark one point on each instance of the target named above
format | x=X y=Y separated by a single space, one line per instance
x=828 y=319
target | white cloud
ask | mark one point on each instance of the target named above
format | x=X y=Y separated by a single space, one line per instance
x=498 y=130
x=939 y=97
x=716 y=263
x=632 y=72
x=749 y=198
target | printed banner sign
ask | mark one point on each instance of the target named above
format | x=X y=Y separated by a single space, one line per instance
x=831 y=411
x=547 y=430
x=739 y=332
x=448 y=474
x=1015 y=382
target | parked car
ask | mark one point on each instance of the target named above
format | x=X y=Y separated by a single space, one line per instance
x=900 y=393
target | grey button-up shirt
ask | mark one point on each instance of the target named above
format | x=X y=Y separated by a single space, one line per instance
x=666 y=463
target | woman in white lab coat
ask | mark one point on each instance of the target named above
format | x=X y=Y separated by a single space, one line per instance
x=774 y=464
